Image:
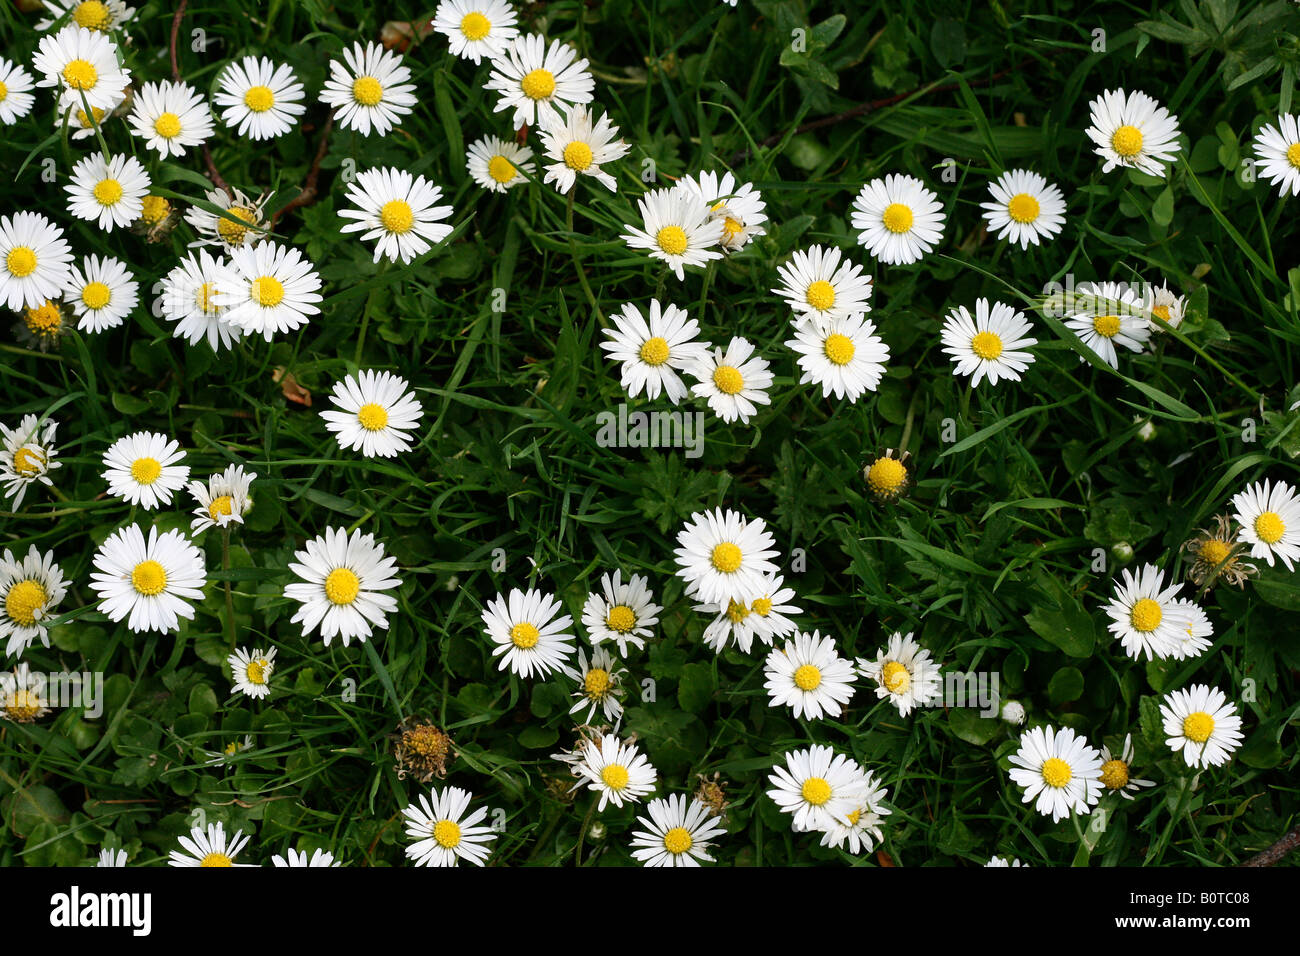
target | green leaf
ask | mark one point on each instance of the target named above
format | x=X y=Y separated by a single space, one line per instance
x=535 y=737
x=948 y=42
x=695 y=687
x=1066 y=685
x=1067 y=626
x=969 y=726
x=1162 y=210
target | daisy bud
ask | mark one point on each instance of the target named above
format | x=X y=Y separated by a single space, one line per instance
x=1013 y=712
x=1123 y=552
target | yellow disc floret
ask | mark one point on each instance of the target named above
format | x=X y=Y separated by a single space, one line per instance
x=24 y=599
x=342 y=586
x=1056 y=772
x=897 y=218
x=524 y=635
x=149 y=578
x=726 y=557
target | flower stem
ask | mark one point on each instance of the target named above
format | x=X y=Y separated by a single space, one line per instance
x=230 y=599
x=577 y=259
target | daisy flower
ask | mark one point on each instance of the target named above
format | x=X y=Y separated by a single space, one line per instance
x=1132 y=130
x=722 y=556
x=615 y=770
x=43 y=326
x=251 y=671
x=36 y=258
x=654 y=351
x=527 y=634
x=624 y=613
x=443 y=834
x=1105 y=315
x=1194 y=641
x=222 y=500
x=675 y=833
x=1144 y=615
x=91 y=14
x=476 y=28
x=107 y=192
x=1269 y=517
x=170 y=117
x=372 y=91
x=27 y=456
x=734 y=380
x=143 y=469
x=16 y=96
x=29 y=590
x=843 y=355
x=599 y=686
x=258 y=98
x=898 y=219
x=112 y=858
x=241 y=223
x=1166 y=306
x=1059 y=769
x=226 y=756
x=1202 y=724
x=1116 y=772
x=678 y=229
x=294 y=858
x=580 y=148
x=103 y=295
x=22 y=695
x=147 y=581
x=819 y=287
x=80 y=124
x=342 y=588
x=818 y=787
x=266 y=289
x=809 y=676
x=904 y=673
x=210 y=848
x=1214 y=552
x=378 y=414
x=498 y=164
x=398 y=209
x=740 y=209
x=861 y=828
x=82 y=65
x=990 y=345
x=1277 y=152
x=1026 y=208
x=535 y=80
x=764 y=617
x=189 y=298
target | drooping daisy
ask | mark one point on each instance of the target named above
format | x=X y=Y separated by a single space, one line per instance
x=210 y=848
x=1132 y=130
x=111 y=858
x=862 y=828
x=147 y=582
x=888 y=475
x=189 y=298
x=1277 y=151
x=898 y=218
x=676 y=833
x=222 y=500
x=765 y=617
x=904 y=673
x=103 y=295
x=344 y=580
x=1215 y=552
x=819 y=287
x=1145 y=616
x=373 y=90
x=843 y=355
x=80 y=124
x=499 y=164
x=723 y=556
x=476 y=28
x=28 y=456
x=809 y=676
x=599 y=686
x=241 y=223
x=817 y=786
x=251 y=671
x=29 y=590
x=734 y=381
x=144 y=469
x=1026 y=208
x=624 y=613
x=1058 y=768
x=616 y=770
x=82 y=65
x=266 y=289
x=170 y=117
x=1105 y=315
x=740 y=209
x=16 y=96
x=536 y=80
x=377 y=415
x=653 y=352
x=36 y=260
x=991 y=345
x=1116 y=771
x=1194 y=640
x=1165 y=306
x=1202 y=724
x=442 y=832
x=579 y=147
x=258 y=98
x=101 y=15
x=293 y=858
x=527 y=634
x=22 y=695
x=398 y=209
x=1269 y=520
x=678 y=229
x=108 y=192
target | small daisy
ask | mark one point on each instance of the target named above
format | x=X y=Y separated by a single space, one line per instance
x=843 y=355
x=373 y=90
x=36 y=260
x=258 y=98
x=241 y=224
x=904 y=673
x=108 y=192
x=1025 y=208
x=1212 y=548
x=222 y=500
x=378 y=414
x=294 y=858
x=476 y=28
x=1201 y=723
x=189 y=299
x=616 y=770
x=624 y=613
x=103 y=295
x=580 y=148
x=1166 y=308
x=678 y=229
x=1116 y=771
x=734 y=381
x=1105 y=315
x=1145 y=616
x=740 y=210
x=398 y=209
x=92 y=14
x=654 y=351
x=898 y=218
x=809 y=676
x=1059 y=769
x=22 y=695
x=1194 y=641
x=536 y=80
x=1269 y=518
x=1132 y=130
x=266 y=289
x=251 y=671
x=112 y=858
x=16 y=96
x=80 y=124
x=861 y=829
x=443 y=834
x=723 y=556
x=498 y=164
x=819 y=287
x=44 y=326
x=990 y=345
x=27 y=456
x=342 y=588
x=1277 y=150
x=29 y=590
x=82 y=64
x=143 y=469
x=228 y=754
x=599 y=686
x=210 y=848
x=675 y=833
x=818 y=787
x=170 y=117
x=765 y=617
x=523 y=627
x=147 y=581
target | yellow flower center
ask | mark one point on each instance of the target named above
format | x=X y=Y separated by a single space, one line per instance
x=1056 y=772
x=1127 y=141
x=267 y=291
x=203 y=299
x=839 y=349
x=1023 y=208
x=81 y=75
x=1293 y=155
x=342 y=586
x=21 y=262
x=1146 y=615
x=167 y=125
x=677 y=840
x=895 y=678
x=216 y=859
x=577 y=155
x=1270 y=527
x=44 y=319
x=596 y=683
x=728 y=379
x=367 y=91
x=24 y=706
x=1114 y=774
x=621 y=618
x=92 y=15
x=154 y=209
x=259 y=99
x=524 y=635
x=654 y=351
x=1212 y=551
x=221 y=505
x=886 y=475
x=107 y=192
x=1197 y=727
x=28 y=462
x=4 y=92
x=762 y=607
x=987 y=345
x=897 y=217
x=820 y=295
x=816 y=791
x=372 y=417
x=396 y=215
x=1161 y=312
x=736 y=612
x=807 y=677
x=672 y=240
x=23 y=601
x=232 y=233
x=447 y=833
x=731 y=228
x=257 y=672
x=501 y=169
x=96 y=295
x=538 y=85
x=615 y=777
x=149 y=578
x=854 y=817
x=475 y=26
x=726 y=557
x=146 y=470
x=85 y=121
x=1106 y=325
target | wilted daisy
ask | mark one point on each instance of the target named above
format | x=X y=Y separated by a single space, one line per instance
x=399 y=210
x=809 y=676
x=222 y=500
x=377 y=415
x=91 y=14
x=442 y=832
x=28 y=456
x=1165 y=306
x=499 y=164
x=1116 y=771
x=251 y=671
x=765 y=617
x=29 y=590
x=723 y=556
x=861 y=828
x=81 y=63
x=344 y=580
x=1214 y=552
x=144 y=469
x=579 y=147
x=107 y=192
x=258 y=98
x=157 y=218
x=843 y=355
x=476 y=28
x=898 y=218
x=819 y=287
x=1277 y=151
x=734 y=381
x=1132 y=130
x=676 y=833
x=1144 y=614
x=239 y=225
x=1202 y=724
x=1058 y=768
x=209 y=848
x=624 y=613
x=817 y=786
x=318 y=857
x=103 y=295
x=1105 y=315
x=266 y=289
x=991 y=344
x=170 y=117
x=1269 y=519
x=36 y=258
x=678 y=229
x=43 y=326
x=111 y=858
x=904 y=673
x=740 y=209
x=16 y=96
x=536 y=80
x=599 y=686
x=1193 y=641
x=1025 y=208
x=888 y=476
x=189 y=298
x=22 y=695
x=148 y=581
x=527 y=633
x=372 y=91
x=616 y=770
x=653 y=351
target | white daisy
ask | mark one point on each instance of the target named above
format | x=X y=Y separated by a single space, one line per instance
x=1116 y=771
x=809 y=676
x=91 y=14
x=525 y=629
x=818 y=787
x=144 y=469
x=147 y=581
x=616 y=770
x=898 y=218
x=654 y=351
x=734 y=381
x=1058 y=768
x=398 y=209
x=1202 y=724
x=1277 y=151
x=443 y=834
x=108 y=192
x=318 y=857
x=80 y=124
x=476 y=28
x=723 y=556
x=676 y=833
x=378 y=414
x=580 y=148
x=740 y=209
x=679 y=229
x=373 y=90
x=904 y=673
x=36 y=260
x=843 y=355
x=103 y=295
x=1105 y=315
x=242 y=222
x=1194 y=641
x=210 y=848
x=1025 y=208
x=765 y=617
x=861 y=829
x=1132 y=130
x=258 y=98
x=222 y=500
x=22 y=695
x=189 y=298
x=344 y=580
x=266 y=289
x=29 y=590
x=28 y=456
x=819 y=287
x=499 y=164
x=1269 y=516
x=536 y=80
x=170 y=117
x=112 y=858
x=16 y=96
x=1145 y=616
x=624 y=613
x=1165 y=306
x=251 y=671
x=599 y=686
x=991 y=345
x=82 y=64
